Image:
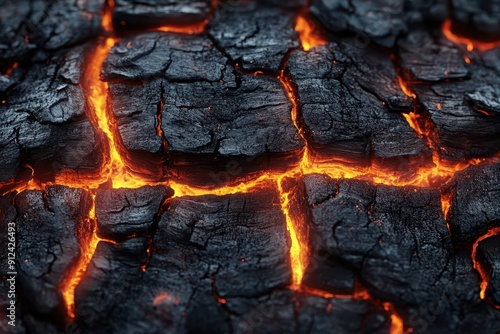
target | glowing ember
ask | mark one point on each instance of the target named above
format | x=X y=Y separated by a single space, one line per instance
x=397 y=326
x=298 y=257
x=309 y=34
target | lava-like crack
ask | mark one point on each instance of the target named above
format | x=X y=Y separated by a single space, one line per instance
x=468 y=42
x=118 y=174
x=483 y=275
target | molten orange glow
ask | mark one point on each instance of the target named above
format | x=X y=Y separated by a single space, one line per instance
x=446 y=204
x=107 y=17
x=469 y=43
x=181 y=190
x=298 y=255
x=405 y=88
x=190 y=29
x=481 y=271
x=309 y=34
x=88 y=243
x=397 y=326
x=119 y=175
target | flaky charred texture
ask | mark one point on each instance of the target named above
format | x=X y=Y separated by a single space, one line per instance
x=36 y=27
x=443 y=60
x=488 y=255
x=379 y=22
x=474 y=208
x=48 y=226
x=463 y=104
x=344 y=109
x=234 y=246
x=477 y=18
x=395 y=241
x=43 y=121
x=152 y=13
x=293 y=312
x=123 y=213
x=374 y=230
x=256 y=35
x=215 y=120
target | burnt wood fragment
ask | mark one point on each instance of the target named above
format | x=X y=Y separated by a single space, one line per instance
x=347 y=114
x=257 y=36
x=230 y=246
x=49 y=226
x=128 y=212
x=474 y=207
x=380 y=22
x=151 y=13
x=28 y=27
x=213 y=117
x=43 y=121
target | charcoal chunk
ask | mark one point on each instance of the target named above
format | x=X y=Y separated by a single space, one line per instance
x=136 y=110
x=212 y=115
x=27 y=26
x=344 y=110
x=48 y=227
x=156 y=13
x=276 y=313
x=465 y=114
x=380 y=22
x=395 y=238
x=44 y=118
x=457 y=308
x=439 y=62
x=474 y=207
x=481 y=18
x=233 y=246
x=488 y=254
x=127 y=212
x=255 y=35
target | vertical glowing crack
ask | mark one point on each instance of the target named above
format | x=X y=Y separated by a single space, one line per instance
x=88 y=243
x=483 y=275
x=297 y=251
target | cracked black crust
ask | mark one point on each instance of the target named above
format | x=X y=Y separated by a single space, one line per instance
x=395 y=241
x=352 y=115
x=43 y=122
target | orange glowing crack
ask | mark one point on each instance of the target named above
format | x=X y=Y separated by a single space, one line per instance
x=446 y=200
x=469 y=43
x=484 y=277
x=88 y=243
x=298 y=254
x=191 y=29
x=309 y=34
